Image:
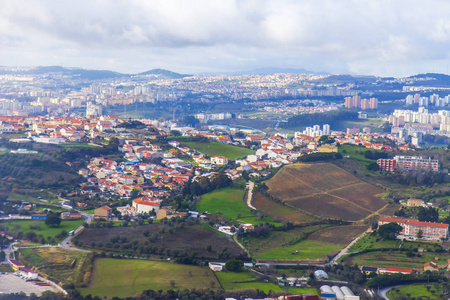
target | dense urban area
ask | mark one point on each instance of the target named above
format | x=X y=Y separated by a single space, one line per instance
x=162 y=185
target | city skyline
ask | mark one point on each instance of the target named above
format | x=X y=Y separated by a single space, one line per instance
x=345 y=37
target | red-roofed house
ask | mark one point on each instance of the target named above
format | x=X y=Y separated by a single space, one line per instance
x=395 y=270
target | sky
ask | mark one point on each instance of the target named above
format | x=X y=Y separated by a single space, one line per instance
x=382 y=37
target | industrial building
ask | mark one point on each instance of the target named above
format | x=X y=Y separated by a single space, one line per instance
x=336 y=293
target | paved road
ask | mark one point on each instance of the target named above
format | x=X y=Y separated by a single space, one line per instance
x=66 y=243
x=383 y=292
x=250 y=185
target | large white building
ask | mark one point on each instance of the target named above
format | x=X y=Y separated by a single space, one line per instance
x=430 y=230
x=143 y=205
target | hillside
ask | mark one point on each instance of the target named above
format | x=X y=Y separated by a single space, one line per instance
x=324 y=190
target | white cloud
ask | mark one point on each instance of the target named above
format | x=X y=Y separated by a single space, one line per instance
x=382 y=37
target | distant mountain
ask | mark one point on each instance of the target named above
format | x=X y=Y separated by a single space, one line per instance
x=270 y=71
x=89 y=74
x=164 y=73
x=76 y=72
x=432 y=79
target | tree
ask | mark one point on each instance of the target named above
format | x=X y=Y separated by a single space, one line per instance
x=419 y=234
x=172 y=283
x=373 y=167
x=53 y=221
x=428 y=214
x=388 y=231
x=234 y=265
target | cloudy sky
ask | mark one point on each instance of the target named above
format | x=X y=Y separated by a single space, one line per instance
x=382 y=37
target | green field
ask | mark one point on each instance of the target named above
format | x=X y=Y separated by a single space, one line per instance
x=24 y=226
x=283 y=245
x=306 y=250
x=394 y=259
x=61 y=264
x=356 y=153
x=373 y=123
x=125 y=278
x=230 y=204
x=226 y=202
x=218 y=149
x=414 y=291
x=375 y=242
x=248 y=280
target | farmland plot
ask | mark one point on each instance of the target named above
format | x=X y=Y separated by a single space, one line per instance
x=325 y=190
x=338 y=235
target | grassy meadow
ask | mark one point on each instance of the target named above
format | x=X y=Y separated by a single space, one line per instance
x=45 y=230
x=230 y=203
x=248 y=280
x=125 y=278
x=415 y=290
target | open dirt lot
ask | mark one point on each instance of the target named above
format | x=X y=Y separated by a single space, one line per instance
x=10 y=283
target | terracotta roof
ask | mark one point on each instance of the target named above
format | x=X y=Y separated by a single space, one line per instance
x=398 y=270
x=145 y=202
x=413 y=222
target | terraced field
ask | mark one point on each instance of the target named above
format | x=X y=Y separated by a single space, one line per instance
x=326 y=190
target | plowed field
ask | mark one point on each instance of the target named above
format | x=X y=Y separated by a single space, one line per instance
x=326 y=191
x=338 y=235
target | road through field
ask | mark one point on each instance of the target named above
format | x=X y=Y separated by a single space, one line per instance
x=345 y=250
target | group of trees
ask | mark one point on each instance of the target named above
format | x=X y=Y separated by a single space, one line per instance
x=420 y=178
x=319 y=156
x=204 y=185
x=429 y=214
x=389 y=231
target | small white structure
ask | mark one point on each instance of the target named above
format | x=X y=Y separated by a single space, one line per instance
x=320 y=275
x=216 y=267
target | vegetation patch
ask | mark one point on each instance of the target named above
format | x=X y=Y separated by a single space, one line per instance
x=303 y=250
x=225 y=202
x=289 y=244
x=126 y=278
x=38 y=231
x=393 y=259
x=180 y=240
x=248 y=280
x=58 y=264
x=432 y=291
x=218 y=149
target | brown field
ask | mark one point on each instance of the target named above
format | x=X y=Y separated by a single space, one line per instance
x=329 y=206
x=326 y=191
x=339 y=235
x=281 y=212
x=390 y=210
